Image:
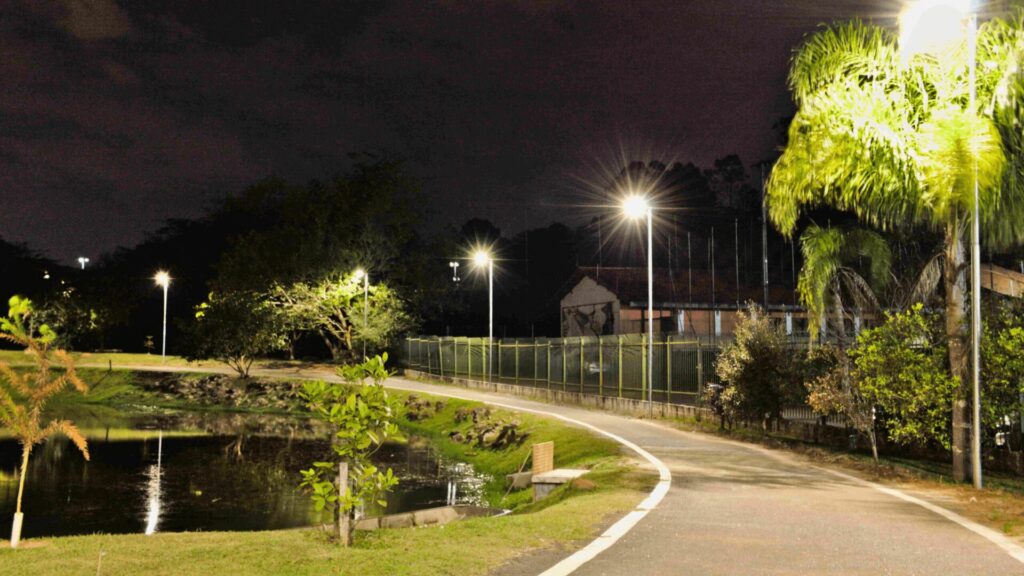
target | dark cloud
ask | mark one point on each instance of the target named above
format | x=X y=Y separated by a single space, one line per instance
x=116 y=116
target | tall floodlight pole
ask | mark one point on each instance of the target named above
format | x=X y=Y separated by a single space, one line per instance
x=929 y=26
x=483 y=258
x=163 y=279
x=636 y=207
x=362 y=274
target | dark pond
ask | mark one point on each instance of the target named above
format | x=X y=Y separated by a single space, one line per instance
x=201 y=472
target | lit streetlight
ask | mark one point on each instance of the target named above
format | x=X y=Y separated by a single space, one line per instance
x=163 y=279
x=455 y=270
x=934 y=26
x=83 y=261
x=483 y=258
x=636 y=206
x=362 y=275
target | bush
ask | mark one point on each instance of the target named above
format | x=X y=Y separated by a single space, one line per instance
x=758 y=370
x=1002 y=366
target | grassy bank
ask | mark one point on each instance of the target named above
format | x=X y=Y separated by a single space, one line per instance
x=571 y=515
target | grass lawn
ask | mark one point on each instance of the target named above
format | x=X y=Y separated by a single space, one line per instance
x=569 y=516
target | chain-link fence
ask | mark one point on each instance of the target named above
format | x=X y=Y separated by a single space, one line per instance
x=614 y=366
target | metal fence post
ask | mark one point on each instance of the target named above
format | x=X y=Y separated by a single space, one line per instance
x=535 y=376
x=600 y=367
x=643 y=365
x=620 y=366
x=499 y=359
x=700 y=375
x=469 y=358
x=440 y=357
x=565 y=373
x=516 y=343
x=668 y=368
x=549 y=364
x=582 y=372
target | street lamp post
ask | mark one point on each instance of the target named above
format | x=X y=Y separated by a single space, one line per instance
x=163 y=279
x=483 y=258
x=360 y=273
x=83 y=261
x=636 y=206
x=927 y=26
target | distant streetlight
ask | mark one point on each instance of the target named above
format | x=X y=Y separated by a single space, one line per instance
x=83 y=261
x=455 y=270
x=635 y=207
x=163 y=279
x=365 y=277
x=934 y=26
x=483 y=258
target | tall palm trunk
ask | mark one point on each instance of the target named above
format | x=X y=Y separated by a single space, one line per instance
x=955 y=284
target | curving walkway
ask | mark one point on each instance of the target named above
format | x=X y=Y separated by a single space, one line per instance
x=736 y=509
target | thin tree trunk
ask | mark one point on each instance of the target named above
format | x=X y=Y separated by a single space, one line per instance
x=955 y=285
x=26 y=451
x=344 y=519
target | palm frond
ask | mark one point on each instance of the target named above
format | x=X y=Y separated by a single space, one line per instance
x=927 y=283
x=68 y=429
x=860 y=290
x=842 y=51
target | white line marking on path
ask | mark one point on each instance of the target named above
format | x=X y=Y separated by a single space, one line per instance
x=615 y=531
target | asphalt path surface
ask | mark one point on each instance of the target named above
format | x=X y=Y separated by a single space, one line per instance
x=738 y=509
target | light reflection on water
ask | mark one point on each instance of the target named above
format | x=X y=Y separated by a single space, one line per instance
x=201 y=476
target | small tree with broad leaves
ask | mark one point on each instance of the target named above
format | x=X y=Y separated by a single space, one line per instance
x=363 y=417
x=24 y=393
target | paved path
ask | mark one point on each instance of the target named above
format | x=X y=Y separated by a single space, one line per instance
x=739 y=510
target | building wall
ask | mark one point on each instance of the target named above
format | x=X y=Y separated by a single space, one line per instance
x=590 y=310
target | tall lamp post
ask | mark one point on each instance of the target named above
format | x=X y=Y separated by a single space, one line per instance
x=636 y=207
x=483 y=258
x=83 y=261
x=163 y=279
x=361 y=274
x=931 y=26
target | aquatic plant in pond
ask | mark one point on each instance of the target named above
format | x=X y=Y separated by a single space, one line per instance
x=362 y=419
x=24 y=394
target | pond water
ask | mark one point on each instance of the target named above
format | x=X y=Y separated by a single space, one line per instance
x=193 y=472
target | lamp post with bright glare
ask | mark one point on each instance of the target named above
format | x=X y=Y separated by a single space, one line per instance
x=163 y=279
x=483 y=258
x=932 y=26
x=635 y=207
x=362 y=274
x=83 y=261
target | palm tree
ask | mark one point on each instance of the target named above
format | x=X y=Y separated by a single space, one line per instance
x=894 y=142
x=832 y=259
x=24 y=394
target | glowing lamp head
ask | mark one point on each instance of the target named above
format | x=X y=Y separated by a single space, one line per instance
x=635 y=206
x=481 y=258
x=933 y=26
x=359 y=274
x=162 y=279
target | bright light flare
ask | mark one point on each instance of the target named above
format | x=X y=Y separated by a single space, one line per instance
x=481 y=257
x=359 y=274
x=162 y=279
x=933 y=26
x=635 y=206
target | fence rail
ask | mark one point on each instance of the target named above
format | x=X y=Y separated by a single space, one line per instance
x=612 y=366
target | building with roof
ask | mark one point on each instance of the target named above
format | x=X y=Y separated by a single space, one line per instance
x=605 y=301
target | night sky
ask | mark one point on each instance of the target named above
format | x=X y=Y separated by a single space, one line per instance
x=117 y=115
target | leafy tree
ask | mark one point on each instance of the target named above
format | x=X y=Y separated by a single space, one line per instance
x=362 y=419
x=893 y=141
x=1002 y=357
x=830 y=273
x=235 y=328
x=830 y=390
x=758 y=370
x=333 y=308
x=24 y=394
x=900 y=366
